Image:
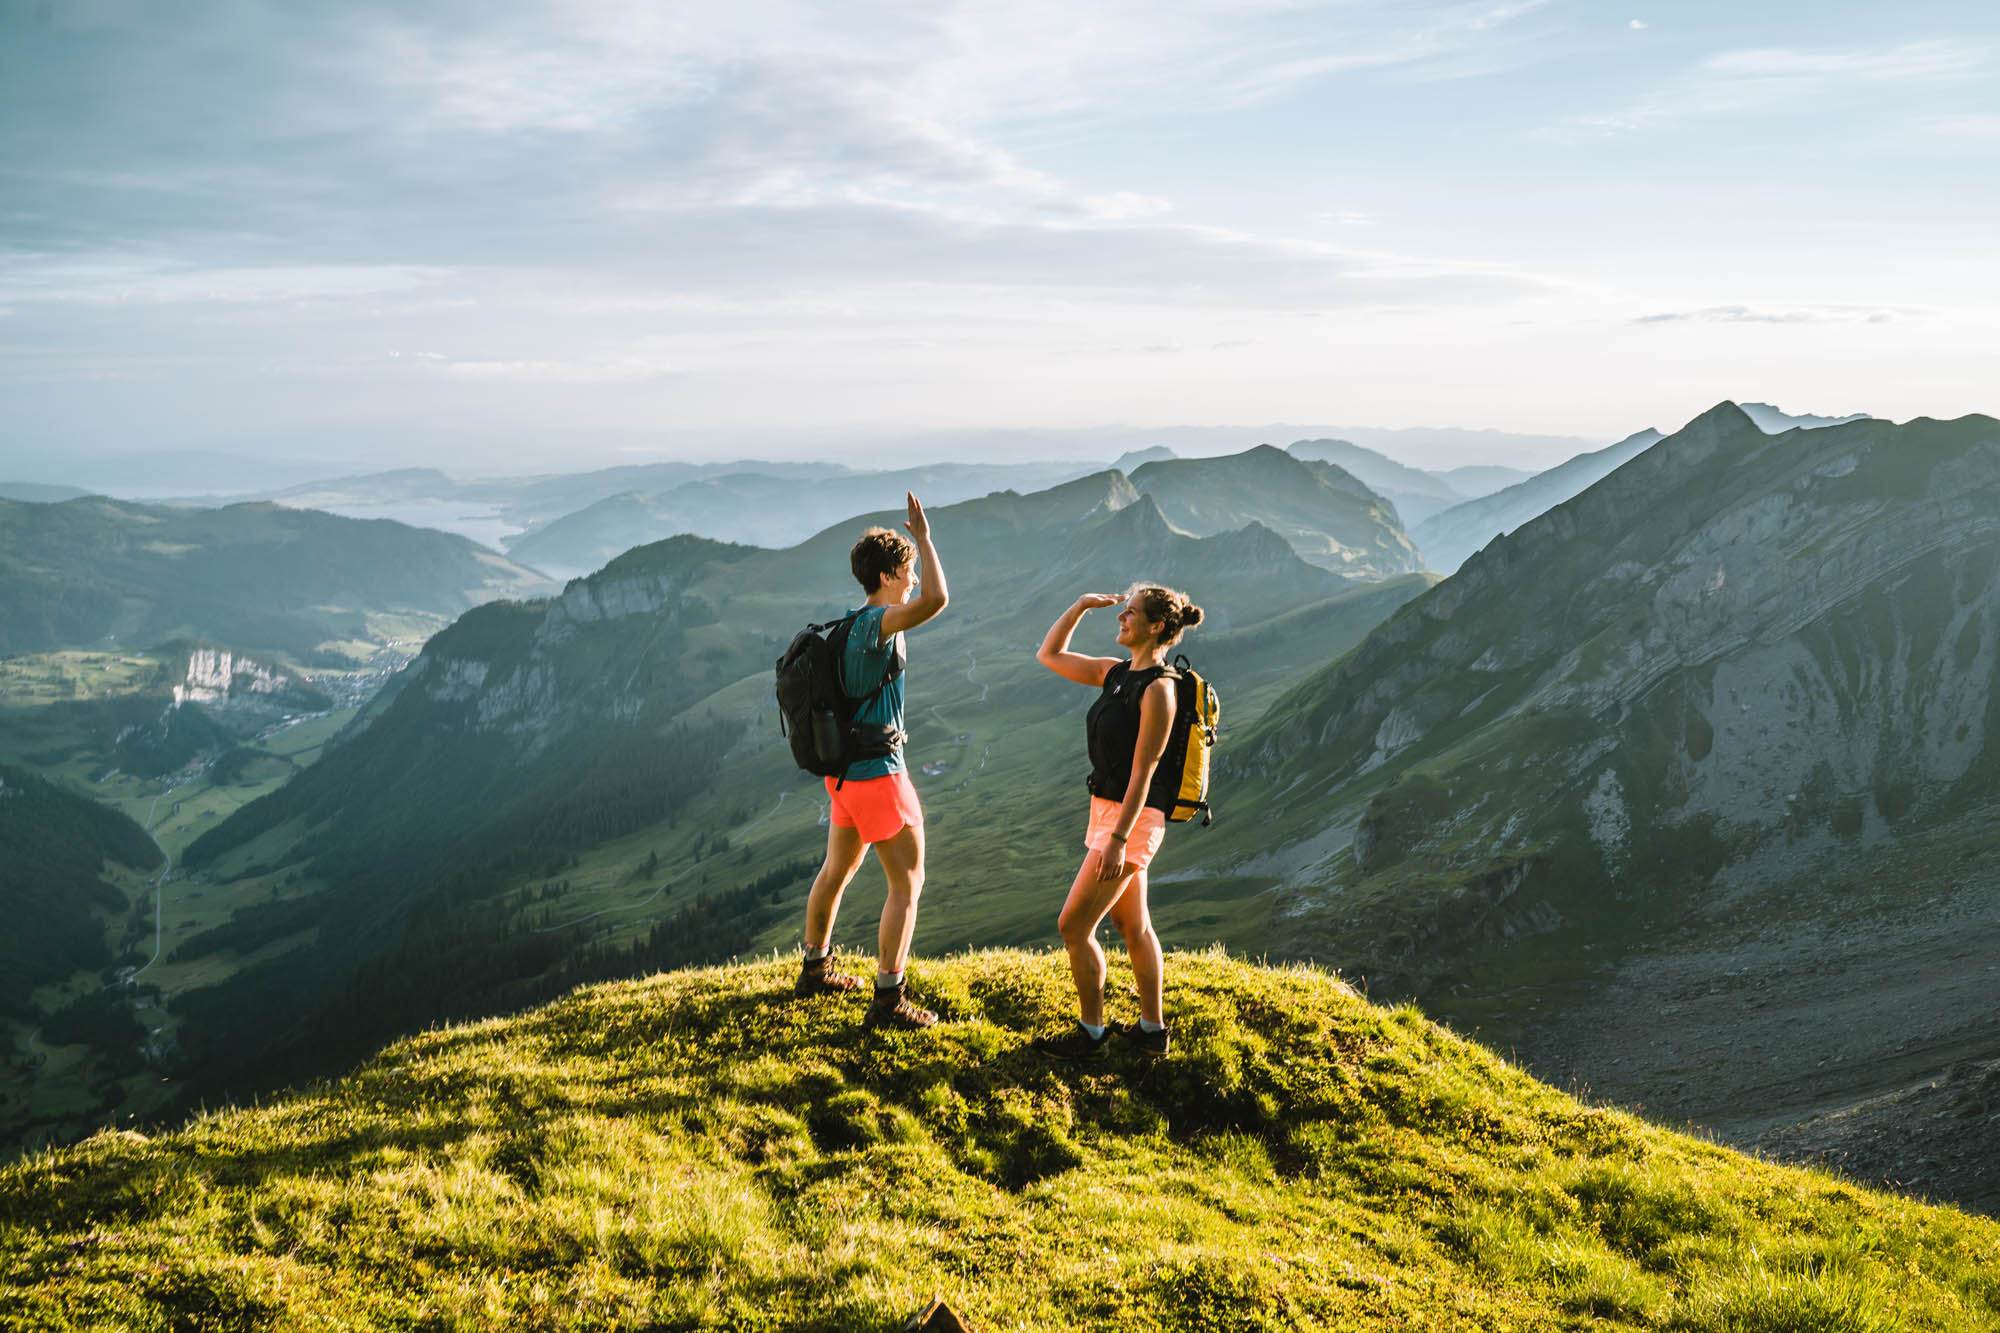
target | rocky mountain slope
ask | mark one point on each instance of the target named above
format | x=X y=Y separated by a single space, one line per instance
x=696 y=1150
x=1635 y=759
x=258 y=577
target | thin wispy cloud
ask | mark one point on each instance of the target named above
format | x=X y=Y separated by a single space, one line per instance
x=1783 y=79
x=1743 y=314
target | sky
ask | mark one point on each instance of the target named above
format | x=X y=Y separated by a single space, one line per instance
x=505 y=236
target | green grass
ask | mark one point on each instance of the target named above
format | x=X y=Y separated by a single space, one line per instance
x=32 y=679
x=694 y=1150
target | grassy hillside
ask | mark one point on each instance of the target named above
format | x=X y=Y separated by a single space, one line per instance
x=695 y=1150
x=97 y=572
x=54 y=848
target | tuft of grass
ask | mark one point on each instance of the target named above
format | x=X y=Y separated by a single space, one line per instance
x=697 y=1150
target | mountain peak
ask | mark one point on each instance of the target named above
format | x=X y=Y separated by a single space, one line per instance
x=1725 y=417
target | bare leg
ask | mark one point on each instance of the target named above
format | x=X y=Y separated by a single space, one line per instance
x=1089 y=899
x=844 y=850
x=902 y=859
x=1135 y=923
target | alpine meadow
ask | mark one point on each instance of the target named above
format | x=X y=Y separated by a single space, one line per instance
x=999 y=667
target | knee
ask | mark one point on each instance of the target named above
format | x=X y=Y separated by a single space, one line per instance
x=909 y=887
x=1074 y=929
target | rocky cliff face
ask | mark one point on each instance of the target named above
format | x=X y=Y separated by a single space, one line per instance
x=216 y=674
x=1740 y=664
x=591 y=657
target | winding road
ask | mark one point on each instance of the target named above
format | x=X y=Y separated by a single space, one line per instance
x=160 y=884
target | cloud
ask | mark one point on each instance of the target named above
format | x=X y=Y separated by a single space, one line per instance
x=1973 y=129
x=1124 y=206
x=1779 y=79
x=1741 y=314
x=1637 y=25
x=125 y=280
x=625 y=370
x=1910 y=60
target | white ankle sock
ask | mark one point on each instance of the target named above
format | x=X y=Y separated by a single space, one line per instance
x=814 y=955
x=884 y=980
x=1096 y=1030
x=1148 y=1025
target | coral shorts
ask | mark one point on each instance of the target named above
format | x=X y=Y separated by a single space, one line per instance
x=877 y=808
x=1145 y=837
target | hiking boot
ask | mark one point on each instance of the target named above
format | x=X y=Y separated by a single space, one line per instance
x=818 y=977
x=1075 y=1044
x=891 y=1008
x=1154 y=1044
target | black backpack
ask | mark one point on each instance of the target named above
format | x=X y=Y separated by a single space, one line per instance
x=815 y=711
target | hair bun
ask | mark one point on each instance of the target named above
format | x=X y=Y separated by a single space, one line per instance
x=1192 y=616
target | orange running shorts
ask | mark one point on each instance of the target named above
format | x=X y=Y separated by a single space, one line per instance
x=877 y=808
x=1145 y=837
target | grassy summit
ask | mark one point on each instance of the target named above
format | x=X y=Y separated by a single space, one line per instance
x=695 y=1151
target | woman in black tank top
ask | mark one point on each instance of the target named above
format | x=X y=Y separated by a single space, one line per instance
x=1131 y=792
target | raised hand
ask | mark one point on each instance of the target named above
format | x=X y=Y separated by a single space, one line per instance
x=1091 y=601
x=919 y=526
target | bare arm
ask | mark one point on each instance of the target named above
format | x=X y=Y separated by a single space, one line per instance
x=1156 y=715
x=932 y=593
x=1055 y=654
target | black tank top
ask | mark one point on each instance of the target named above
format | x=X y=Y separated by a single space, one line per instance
x=1112 y=730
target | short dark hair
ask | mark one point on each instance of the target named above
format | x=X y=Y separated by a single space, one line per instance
x=1172 y=609
x=877 y=555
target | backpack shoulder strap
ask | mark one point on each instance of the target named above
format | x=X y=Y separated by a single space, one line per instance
x=843 y=629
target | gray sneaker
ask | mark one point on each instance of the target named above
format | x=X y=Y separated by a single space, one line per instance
x=1154 y=1044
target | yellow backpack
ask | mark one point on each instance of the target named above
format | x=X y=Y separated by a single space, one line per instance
x=1197 y=714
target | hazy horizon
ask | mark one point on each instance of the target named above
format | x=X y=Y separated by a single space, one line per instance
x=544 y=236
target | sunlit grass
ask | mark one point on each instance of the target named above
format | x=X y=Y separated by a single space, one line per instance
x=696 y=1150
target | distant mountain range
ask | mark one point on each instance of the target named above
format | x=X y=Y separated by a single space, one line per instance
x=38 y=493
x=756 y=507
x=1449 y=536
x=1416 y=494
x=95 y=572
